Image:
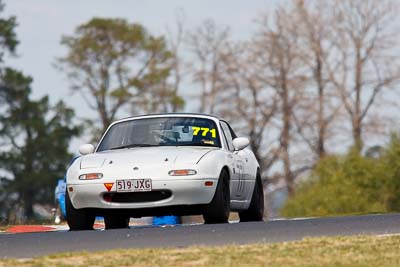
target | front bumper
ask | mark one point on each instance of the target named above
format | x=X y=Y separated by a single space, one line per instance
x=183 y=192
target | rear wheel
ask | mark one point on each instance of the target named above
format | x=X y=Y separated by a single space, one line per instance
x=115 y=222
x=218 y=210
x=255 y=212
x=78 y=219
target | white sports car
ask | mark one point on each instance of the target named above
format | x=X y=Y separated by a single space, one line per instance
x=168 y=164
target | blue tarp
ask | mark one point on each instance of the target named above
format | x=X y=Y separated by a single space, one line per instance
x=163 y=220
x=60 y=195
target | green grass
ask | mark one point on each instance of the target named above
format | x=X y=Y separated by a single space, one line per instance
x=325 y=251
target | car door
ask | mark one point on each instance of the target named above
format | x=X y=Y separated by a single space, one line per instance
x=238 y=173
x=243 y=158
x=249 y=174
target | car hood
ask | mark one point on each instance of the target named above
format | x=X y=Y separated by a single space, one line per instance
x=146 y=155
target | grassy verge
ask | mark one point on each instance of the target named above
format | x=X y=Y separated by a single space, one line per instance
x=326 y=251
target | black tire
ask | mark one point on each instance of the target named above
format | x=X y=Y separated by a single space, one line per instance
x=255 y=212
x=78 y=219
x=219 y=208
x=116 y=222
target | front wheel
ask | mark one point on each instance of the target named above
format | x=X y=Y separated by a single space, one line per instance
x=218 y=210
x=78 y=219
x=255 y=212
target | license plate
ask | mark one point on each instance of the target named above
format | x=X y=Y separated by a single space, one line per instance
x=133 y=185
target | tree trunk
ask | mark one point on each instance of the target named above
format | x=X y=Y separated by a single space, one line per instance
x=28 y=195
x=285 y=139
x=357 y=130
x=356 y=117
x=28 y=205
x=321 y=105
x=105 y=120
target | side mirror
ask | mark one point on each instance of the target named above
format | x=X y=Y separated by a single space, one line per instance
x=86 y=149
x=240 y=143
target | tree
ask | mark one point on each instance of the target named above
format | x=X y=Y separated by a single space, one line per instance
x=319 y=107
x=340 y=185
x=207 y=43
x=178 y=67
x=283 y=71
x=36 y=137
x=391 y=160
x=8 y=44
x=366 y=64
x=254 y=100
x=8 y=37
x=113 y=63
x=351 y=184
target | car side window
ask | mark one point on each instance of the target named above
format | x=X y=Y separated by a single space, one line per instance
x=232 y=132
x=228 y=136
x=223 y=138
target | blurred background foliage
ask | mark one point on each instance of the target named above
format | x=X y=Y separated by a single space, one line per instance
x=35 y=139
x=350 y=184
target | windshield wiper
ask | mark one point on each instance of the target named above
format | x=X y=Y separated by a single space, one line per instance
x=132 y=145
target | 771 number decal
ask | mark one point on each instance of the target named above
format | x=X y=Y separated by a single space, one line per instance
x=204 y=131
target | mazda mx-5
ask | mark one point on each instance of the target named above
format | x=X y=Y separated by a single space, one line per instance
x=168 y=164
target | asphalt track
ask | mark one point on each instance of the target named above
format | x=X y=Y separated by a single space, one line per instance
x=28 y=245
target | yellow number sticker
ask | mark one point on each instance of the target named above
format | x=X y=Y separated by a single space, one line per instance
x=204 y=131
x=213 y=133
x=196 y=130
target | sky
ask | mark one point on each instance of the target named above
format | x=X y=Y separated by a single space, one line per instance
x=41 y=24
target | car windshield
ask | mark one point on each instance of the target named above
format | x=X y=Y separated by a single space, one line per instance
x=162 y=131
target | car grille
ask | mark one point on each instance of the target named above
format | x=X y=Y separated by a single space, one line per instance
x=135 y=197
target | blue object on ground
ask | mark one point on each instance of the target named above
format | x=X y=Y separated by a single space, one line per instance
x=60 y=195
x=61 y=200
x=163 y=220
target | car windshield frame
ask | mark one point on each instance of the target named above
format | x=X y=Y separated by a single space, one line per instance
x=171 y=131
